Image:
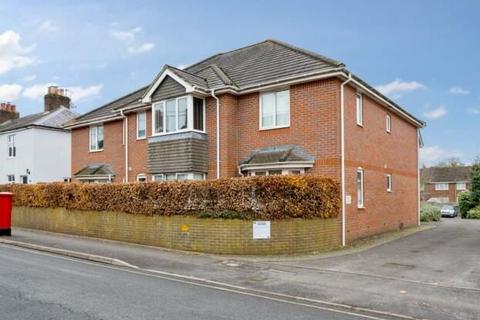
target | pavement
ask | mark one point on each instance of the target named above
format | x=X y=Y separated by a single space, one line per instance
x=431 y=274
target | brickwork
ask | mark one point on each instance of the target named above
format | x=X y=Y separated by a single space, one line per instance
x=217 y=236
x=452 y=193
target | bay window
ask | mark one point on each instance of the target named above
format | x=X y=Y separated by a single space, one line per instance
x=275 y=109
x=178 y=114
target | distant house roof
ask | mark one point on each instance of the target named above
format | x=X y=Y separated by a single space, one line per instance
x=95 y=170
x=50 y=119
x=247 y=68
x=446 y=174
x=278 y=155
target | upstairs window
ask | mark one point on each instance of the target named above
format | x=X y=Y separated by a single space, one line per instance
x=388 y=123
x=441 y=186
x=359 y=108
x=461 y=186
x=275 y=110
x=141 y=125
x=179 y=114
x=11 y=178
x=12 y=150
x=96 y=138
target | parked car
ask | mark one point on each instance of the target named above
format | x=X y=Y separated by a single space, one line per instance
x=449 y=211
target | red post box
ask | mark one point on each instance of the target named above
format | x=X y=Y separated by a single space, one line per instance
x=6 y=199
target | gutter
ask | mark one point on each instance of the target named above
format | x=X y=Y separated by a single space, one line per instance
x=125 y=137
x=342 y=151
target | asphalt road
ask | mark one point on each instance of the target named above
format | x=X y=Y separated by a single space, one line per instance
x=41 y=286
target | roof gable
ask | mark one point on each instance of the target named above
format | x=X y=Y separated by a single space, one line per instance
x=168 y=88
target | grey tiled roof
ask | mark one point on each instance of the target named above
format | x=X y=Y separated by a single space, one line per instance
x=278 y=154
x=446 y=174
x=109 y=108
x=39 y=119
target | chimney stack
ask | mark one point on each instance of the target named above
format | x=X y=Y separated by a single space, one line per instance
x=8 y=111
x=55 y=98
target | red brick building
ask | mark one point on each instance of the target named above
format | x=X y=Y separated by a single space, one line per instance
x=444 y=184
x=269 y=108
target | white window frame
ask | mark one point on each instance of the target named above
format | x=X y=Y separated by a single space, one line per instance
x=389 y=183
x=274 y=126
x=161 y=177
x=12 y=150
x=252 y=173
x=188 y=176
x=361 y=190
x=141 y=176
x=163 y=104
x=11 y=178
x=461 y=186
x=96 y=149
x=144 y=113
x=441 y=186
x=388 y=123
x=359 y=109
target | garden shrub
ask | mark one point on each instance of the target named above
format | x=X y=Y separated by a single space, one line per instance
x=429 y=213
x=474 y=213
x=269 y=198
x=465 y=203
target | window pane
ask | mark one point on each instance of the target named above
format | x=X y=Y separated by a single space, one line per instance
x=170 y=176
x=283 y=108
x=198 y=176
x=182 y=176
x=141 y=124
x=93 y=138
x=268 y=110
x=182 y=113
x=274 y=172
x=359 y=108
x=159 y=118
x=100 y=137
x=198 y=114
x=158 y=177
x=360 y=188
x=260 y=173
x=171 y=115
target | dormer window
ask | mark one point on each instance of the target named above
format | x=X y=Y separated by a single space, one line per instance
x=185 y=113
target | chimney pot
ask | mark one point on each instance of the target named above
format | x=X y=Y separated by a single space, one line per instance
x=52 y=89
x=55 y=99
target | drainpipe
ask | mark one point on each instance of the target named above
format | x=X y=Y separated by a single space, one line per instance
x=218 y=131
x=342 y=150
x=125 y=136
x=418 y=176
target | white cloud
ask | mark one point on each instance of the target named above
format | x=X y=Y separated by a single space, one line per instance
x=80 y=93
x=48 y=26
x=458 y=90
x=12 y=53
x=474 y=110
x=435 y=113
x=127 y=36
x=433 y=154
x=397 y=87
x=37 y=91
x=29 y=78
x=10 y=92
x=182 y=66
x=145 y=47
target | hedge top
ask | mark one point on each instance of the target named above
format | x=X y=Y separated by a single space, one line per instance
x=269 y=198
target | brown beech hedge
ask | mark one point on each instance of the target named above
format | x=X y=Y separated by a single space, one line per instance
x=270 y=198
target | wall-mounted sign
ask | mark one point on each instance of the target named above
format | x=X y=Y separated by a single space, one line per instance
x=348 y=199
x=261 y=229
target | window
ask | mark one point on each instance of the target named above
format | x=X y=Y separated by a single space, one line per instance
x=461 y=186
x=277 y=172
x=11 y=178
x=275 y=109
x=179 y=114
x=359 y=108
x=24 y=179
x=158 y=177
x=141 y=178
x=360 y=193
x=388 y=123
x=389 y=182
x=96 y=138
x=12 y=150
x=141 y=125
x=441 y=186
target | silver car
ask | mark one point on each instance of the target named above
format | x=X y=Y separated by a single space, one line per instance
x=449 y=211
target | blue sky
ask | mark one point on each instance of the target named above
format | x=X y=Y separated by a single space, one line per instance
x=423 y=54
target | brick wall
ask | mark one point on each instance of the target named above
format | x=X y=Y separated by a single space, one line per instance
x=186 y=233
x=137 y=148
x=379 y=153
x=452 y=193
x=113 y=149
